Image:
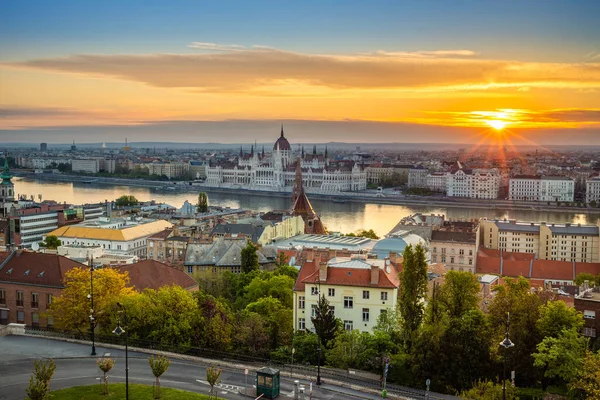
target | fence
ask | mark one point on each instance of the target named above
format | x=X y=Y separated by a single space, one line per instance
x=359 y=379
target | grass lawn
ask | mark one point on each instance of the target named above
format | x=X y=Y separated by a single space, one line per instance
x=117 y=391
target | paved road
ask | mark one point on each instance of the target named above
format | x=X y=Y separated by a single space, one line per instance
x=75 y=367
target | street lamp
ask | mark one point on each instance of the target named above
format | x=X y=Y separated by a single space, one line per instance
x=90 y=297
x=319 y=335
x=119 y=331
x=507 y=344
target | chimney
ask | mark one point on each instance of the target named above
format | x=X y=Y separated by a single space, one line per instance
x=374 y=275
x=322 y=267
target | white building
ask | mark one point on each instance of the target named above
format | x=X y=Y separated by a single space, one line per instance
x=437 y=181
x=358 y=290
x=277 y=171
x=417 y=178
x=592 y=190
x=473 y=183
x=524 y=188
x=118 y=236
x=541 y=188
x=90 y=165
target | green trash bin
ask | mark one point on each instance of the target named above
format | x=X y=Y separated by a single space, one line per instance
x=267 y=382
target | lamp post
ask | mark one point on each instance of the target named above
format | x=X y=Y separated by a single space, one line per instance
x=319 y=335
x=507 y=344
x=91 y=298
x=119 y=331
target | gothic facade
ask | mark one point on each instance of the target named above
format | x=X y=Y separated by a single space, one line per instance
x=276 y=171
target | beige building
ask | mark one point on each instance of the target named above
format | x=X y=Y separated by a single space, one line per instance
x=170 y=170
x=562 y=242
x=289 y=227
x=455 y=245
x=377 y=173
x=167 y=247
x=91 y=166
x=417 y=178
x=592 y=190
x=358 y=289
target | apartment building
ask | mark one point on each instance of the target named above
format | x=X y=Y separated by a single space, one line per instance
x=473 y=183
x=28 y=284
x=170 y=170
x=437 y=181
x=358 y=289
x=562 y=242
x=88 y=165
x=588 y=303
x=455 y=245
x=524 y=188
x=592 y=190
x=417 y=178
x=557 y=188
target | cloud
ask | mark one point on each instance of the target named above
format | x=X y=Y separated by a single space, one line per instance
x=29 y=112
x=235 y=68
x=215 y=46
x=424 y=53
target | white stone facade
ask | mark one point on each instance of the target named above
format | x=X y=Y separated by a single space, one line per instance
x=476 y=183
x=592 y=190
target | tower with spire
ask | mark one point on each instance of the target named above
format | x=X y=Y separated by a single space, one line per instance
x=301 y=206
x=7 y=189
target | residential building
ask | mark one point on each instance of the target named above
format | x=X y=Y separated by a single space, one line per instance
x=592 y=190
x=437 y=182
x=455 y=245
x=359 y=290
x=276 y=171
x=198 y=169
x=88 y=165
x=525 y=188
x=588 y=303
x=418 y=224
x=560 y=242
x=417 y=178
x=43 y=147
x=152 y=274
x=156 y=245
x=473 y=183
x=30 y=224
x=283 y=230
x=28 y=284
x=224 y=254
x=120 y=236
x=557 y=188
x=170 y=170
x=379 y=172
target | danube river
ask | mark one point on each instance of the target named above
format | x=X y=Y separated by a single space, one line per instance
x=343 y=217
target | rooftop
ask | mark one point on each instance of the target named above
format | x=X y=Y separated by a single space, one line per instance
x=29 y=268
x=125 y=233
x=151 y=274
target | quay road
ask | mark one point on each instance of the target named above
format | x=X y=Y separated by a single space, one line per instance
x=75 y=367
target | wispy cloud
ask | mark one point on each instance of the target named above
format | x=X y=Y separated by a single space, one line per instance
x=215 y=46
x=425 y=53
x=234 y=68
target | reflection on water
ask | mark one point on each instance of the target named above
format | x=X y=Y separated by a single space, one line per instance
x=343 y=217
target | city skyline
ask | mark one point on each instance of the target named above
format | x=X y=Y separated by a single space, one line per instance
x=414 y=72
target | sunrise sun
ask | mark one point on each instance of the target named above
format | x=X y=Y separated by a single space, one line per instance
x=496 y=124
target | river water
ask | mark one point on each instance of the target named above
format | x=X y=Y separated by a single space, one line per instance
x=343 y=217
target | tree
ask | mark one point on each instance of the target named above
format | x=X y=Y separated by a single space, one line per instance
x=105 y=365
x=562 y=356
x=212 y=376
x=586 y=385
x=581 y=278
x=488 y=390
x=51 y=242
x=324 y=321
x=126 y=200
x=281 y=259
x=252 y=335
x=249 y=261
x=370 y=234
x=71 y=310
x=556 y=316
x=277 y=319
x=276 y=286
x=216 y=330
x=159 y=365
x=349 y=350
x=202 y=205
x=39 y=383
x=460 y=293
x=413 y=288
x=593 y=204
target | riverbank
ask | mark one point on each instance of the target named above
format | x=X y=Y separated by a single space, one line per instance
x=369 y=197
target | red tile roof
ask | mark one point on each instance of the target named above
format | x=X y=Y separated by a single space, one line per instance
x=340 y=276
x=30 y=268
x=154 y=275
x=161 y=235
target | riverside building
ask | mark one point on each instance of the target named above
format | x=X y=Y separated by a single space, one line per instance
x=541 y=188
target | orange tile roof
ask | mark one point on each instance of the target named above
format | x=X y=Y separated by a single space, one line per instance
x=30 y=268
x=152 y=274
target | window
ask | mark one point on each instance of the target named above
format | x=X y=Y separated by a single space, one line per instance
x=301 y=324
x=301 y=302
x=461 y=252
x=20 y=317
x=50 y=322
x=348 y=302
x=331 y=292
x=365 y=315
x=443 y=250
x=451 y=260
x=2 y=296
x=313 y=310
x=19 y=298
x=49 y=299
x=35 y=300
x=589 y=314
x=191 y=270
x=314 y=291
x=435 y=249
x=366 y=294
x=470 y=261
x=348 y=325
x=332 y=309
x=589 y=332
x=383 y=295
x=35 y=320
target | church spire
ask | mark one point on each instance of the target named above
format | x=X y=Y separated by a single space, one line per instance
x=241 y=152
x=302 y=151
x=325 y=151
x=281 y=130
x=315 y=150
x=6 y=175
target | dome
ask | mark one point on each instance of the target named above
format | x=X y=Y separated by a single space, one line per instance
x=395 y=244
x=282 y=142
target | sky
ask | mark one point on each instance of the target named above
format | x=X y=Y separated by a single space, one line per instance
x=522 y=72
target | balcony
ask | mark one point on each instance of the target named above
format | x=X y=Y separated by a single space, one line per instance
x=19 y=303
x=3 y=301
x=34 y=304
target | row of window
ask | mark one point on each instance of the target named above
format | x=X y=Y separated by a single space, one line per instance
x=452 y=251
x=35 y=298
x=348 y=324
x=348 y=300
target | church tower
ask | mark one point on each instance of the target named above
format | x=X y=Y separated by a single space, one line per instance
x=301 y=206
x=7 y=190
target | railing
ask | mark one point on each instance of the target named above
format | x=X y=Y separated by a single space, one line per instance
x=20 y=303
x=34 y=304
x=363 y=380
x=2 y=301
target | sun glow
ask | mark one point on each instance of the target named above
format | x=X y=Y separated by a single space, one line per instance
x=497 y=124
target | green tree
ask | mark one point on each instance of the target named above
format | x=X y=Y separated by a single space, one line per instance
x=370 y=234
x=488 y=390
x=105 y=365
x=561 y=357
x=249 y=261
x=276 y=286
x=586 y=385
x=281 y=259
x=593 y=204
x=39 y=383
x=202 y=205
x=287 y=271
x=350 y=349
x=213 y=375
x=159 y=365
x=277 y=320
x=413 y=289
x=126 y=200
x=556 y=316
x=460 y=293
x=581 y=278
x=51 y=242
x=324 y=321
x=216 y=330
x=252 y=336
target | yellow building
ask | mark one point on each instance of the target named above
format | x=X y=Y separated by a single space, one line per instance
x=562 y=242
x=289 y=227
x=358 y=290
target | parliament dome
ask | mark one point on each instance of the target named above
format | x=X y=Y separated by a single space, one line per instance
x=282 y=143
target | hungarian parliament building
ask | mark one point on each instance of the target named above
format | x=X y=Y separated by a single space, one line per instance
x=277 y=171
